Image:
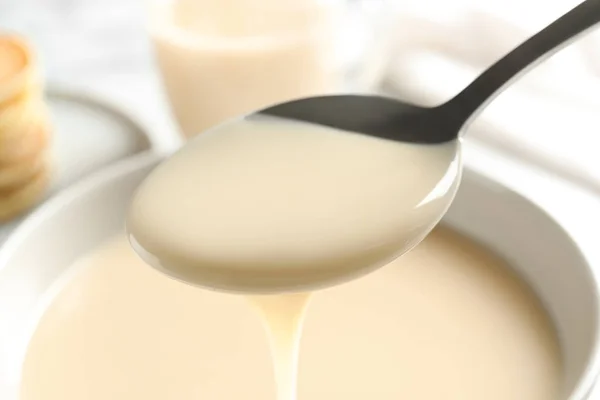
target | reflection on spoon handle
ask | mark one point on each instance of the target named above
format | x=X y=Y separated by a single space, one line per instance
x=283 y=316
x=537 y=48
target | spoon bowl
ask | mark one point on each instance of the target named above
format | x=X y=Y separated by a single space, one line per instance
x=266 y=205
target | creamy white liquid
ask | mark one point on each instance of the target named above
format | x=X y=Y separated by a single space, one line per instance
x=446 y=321
x=223 y=58
x=283 y=316
x=270 y=206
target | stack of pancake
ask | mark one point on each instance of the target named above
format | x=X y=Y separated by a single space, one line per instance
x=24 y=130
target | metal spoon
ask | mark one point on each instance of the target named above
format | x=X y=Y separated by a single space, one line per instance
x=396 y=120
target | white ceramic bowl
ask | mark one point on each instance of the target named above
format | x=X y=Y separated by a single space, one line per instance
x=74 y=222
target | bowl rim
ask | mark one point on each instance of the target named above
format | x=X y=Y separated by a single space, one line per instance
x=64 y=197
x=582 y=390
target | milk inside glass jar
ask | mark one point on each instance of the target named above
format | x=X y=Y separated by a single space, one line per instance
x=223 y=58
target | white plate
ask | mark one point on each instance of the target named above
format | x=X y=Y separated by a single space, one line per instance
x=87 y=134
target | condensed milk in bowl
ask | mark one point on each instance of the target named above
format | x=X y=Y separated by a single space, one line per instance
x=500 y=303
x=223 y=58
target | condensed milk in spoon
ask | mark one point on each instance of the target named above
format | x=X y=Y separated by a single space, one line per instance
x=266 y=205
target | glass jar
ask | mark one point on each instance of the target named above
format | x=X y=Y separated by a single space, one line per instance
x=223 y=58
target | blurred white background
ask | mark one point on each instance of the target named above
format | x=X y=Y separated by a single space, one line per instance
x=433 y=49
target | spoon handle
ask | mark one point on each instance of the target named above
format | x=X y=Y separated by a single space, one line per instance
x=464 y=106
